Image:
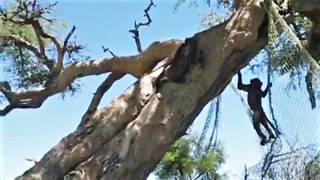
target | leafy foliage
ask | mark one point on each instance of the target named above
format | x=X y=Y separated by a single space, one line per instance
x=180 y=162
x=20 y=62
x=25 y=20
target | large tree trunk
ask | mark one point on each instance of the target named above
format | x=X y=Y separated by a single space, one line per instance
x=128 y=138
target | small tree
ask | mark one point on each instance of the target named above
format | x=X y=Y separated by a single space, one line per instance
x=181 y=163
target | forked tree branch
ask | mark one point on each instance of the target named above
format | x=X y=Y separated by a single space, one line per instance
x=136 y=65
x=135 y=31
x=61 y=50
x=41 y=46
x=40 y=31
x=108 y=50
x=31 y=13
x=65 y=48
x=104 y=87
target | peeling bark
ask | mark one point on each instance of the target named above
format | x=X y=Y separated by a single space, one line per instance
x=127 y=139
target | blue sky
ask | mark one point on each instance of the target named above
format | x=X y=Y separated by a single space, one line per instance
x=31 y=133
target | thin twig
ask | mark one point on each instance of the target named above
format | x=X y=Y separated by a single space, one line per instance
x=32 y=160
x=108 y=50
x=135 y=31
x=61 y=51
x=66 y=40
x=36 y=25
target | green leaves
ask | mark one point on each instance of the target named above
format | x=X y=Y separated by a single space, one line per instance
x=29 y=51
x=21 y=63
x=177 y=162
x=180 y=162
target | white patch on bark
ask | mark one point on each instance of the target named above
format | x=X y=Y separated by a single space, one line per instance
x=131 y=131
x=75 y=175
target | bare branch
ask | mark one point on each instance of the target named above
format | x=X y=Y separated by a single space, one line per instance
x=66 y=40
x=108 y=50
x=39 y=30
x=146 y=11
x=65 y=47
x=135 y=31
x=32 y=160
x=104 y=87
x=40 y=42
x=136 y=38
x=136 y=65
x=27 y=105
x=30 y=99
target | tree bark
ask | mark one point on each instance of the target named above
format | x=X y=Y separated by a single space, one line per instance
x=127 y=139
